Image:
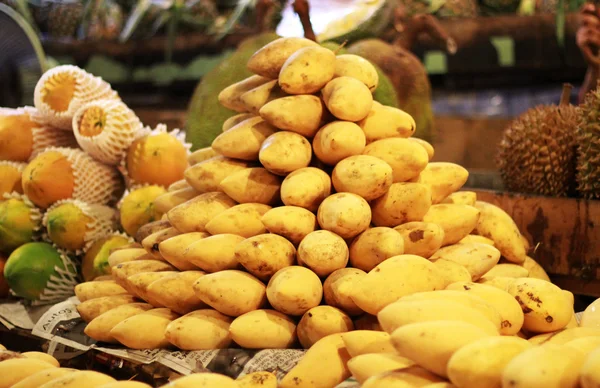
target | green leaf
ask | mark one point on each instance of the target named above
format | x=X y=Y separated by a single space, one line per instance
x=134 y=19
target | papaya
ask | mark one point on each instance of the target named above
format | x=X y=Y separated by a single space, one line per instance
x=16 y=136
x=158 y=148
x=95 y=261
x=138 y=209
x=31 y=266
x=10 y=177
x=19 y=221
x=71 y=224
x=48 y=178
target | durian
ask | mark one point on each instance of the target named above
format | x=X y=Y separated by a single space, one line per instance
x=537 y=151
x=588 y=151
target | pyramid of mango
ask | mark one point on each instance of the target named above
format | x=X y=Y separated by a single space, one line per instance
x=64 y=166
x=316 y=221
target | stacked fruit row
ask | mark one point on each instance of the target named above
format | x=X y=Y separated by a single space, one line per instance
x=315 y=220
x=62 y=169
x=40 y=370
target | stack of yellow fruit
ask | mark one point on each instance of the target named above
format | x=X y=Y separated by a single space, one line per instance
x=41 y=370
x=314 y=193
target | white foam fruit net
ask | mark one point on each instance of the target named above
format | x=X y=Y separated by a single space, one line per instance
x=120 y=128
x=61 y=284
x=87 y=88
x=103 y=220
x=147 y=131
x=95 y=183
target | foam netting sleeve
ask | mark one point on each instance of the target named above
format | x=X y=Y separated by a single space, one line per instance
x=95 y=183
x=35 y=214
x=16 y=165
x=87 y=88
x=121 y=128
x=61 y=285
x=104 y=221
x=147 y=131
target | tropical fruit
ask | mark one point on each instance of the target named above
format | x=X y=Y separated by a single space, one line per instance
x=61 y=91
x=205 y=114
x=409 y=78
x=19 y=222
x=588 y=140
x=10 y=177
x=73 y=224
x=21 y=138
x=95 y=261
x=537 y=151
x=35 y=267
x=63 y=173
x=367 y=19
x=137 y=207
x=156 y=148
x=4 y=287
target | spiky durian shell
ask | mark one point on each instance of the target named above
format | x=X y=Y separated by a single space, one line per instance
x=537 y=151
x=588 y=154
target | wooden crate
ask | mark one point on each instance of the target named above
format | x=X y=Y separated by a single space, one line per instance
x=564 y=234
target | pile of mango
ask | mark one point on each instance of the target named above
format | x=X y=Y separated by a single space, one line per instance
x=64 y=166
x=316 y=221
x=41 y=370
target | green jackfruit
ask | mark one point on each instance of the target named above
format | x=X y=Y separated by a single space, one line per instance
x=205 y=115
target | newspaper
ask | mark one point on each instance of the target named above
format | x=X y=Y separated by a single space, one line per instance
x=62 y=326
x=15 y=313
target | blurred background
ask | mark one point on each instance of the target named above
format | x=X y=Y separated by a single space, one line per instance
x=486 y=61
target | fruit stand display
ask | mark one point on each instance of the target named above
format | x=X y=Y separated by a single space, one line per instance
x=313 y=244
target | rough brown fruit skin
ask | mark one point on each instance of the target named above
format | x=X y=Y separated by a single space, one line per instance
x=537 y=151
x=409 y=77
x=588 y=152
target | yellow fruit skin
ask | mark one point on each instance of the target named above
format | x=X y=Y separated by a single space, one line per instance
x=323 y=365
x=590 y=372
x=38 y=379
x=510 y=311
x=10 y=179
x=257 y=380
x=16 y=225
x=546 y=366
x=480 y=364
x=431 y=344
x=364 y=366
x=16 y=137
x=67 y=226
x=545 y=306
x=48 y=178
x=360 y=342
x=148 y=152
x=95 y=261
x=17 y=369
x=138 y=209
